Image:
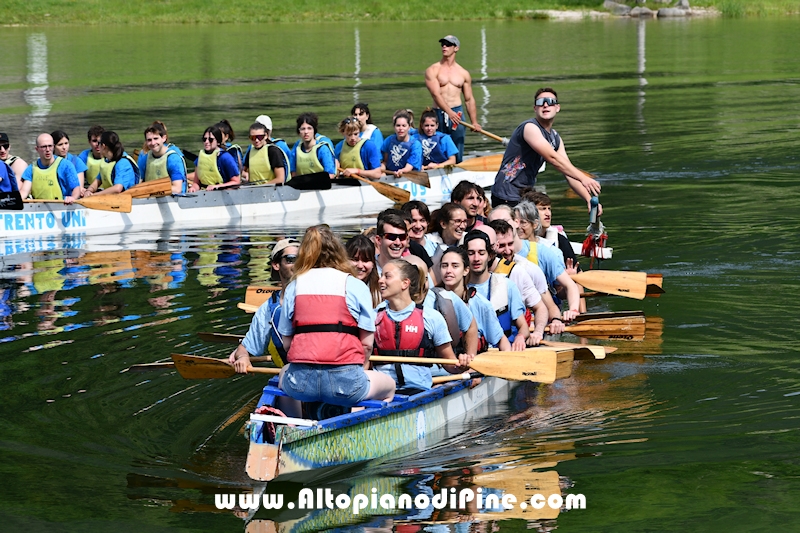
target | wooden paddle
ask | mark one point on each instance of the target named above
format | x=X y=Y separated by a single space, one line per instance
x=196 y=367
x=258 y=294
x=168 y=365
x=488 y=163
x=159 y=187
x=582 y=352
x=416 y=176
x=620 y=283
x=11 y=201
x=247 y=308
x=539 y=365
x=395 y=194
x=487 y=134
x=103 y=202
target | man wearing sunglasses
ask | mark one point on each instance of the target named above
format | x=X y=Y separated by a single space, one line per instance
x=15 y=163
x=263 y=334
x=391 y=238
x=447 y=81
x=532 y=143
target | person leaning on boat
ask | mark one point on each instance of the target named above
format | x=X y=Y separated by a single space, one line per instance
x=50 y=177
x=313 y=153
x=162 y=159
x=17 y=164
x=92 y=157
x=263 y=334
x=533 y=143
x=406 y=328
x=401 y=152
x=264 y=162
x=327 y=323
x=61 y=143
x=215 y=168
x=119 y=171
x=355 y=154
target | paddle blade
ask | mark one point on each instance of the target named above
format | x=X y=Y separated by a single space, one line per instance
x=220 y=337
x=620 y=283
x=147 y=367
x=257 y=295
x=420 y=178
x=11 y=201
x=159 y=187
x=196 y=367
x=538 y=365
x=485 y=163
x=247 y=308
x=108 y=202
x=581 y=351
x=395 y=194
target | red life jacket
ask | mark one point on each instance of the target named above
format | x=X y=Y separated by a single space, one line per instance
x=406 y=338
x=325 y=333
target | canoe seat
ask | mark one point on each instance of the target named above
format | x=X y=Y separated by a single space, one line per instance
x=274 y=391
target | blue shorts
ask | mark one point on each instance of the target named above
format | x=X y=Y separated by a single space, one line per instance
x=344 y=385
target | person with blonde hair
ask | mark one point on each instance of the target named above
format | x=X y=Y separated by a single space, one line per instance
x=327 y=324
x=355 y=154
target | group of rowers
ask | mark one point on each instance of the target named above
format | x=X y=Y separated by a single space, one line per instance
x=106 y=168
x=447 y=284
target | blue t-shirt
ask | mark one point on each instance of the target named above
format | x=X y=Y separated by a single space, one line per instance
x=227 y=166
x=436 y=149
x=77 y=162
x=463 y=314
x=550 y=260
x=124 y=174
x=264 y=321
x=8 y=180
x=67 y=177
x=376 y=138
x=488 y=325
x=370 y=155
x=515 y=303
x=418 y=376
x=324 y=156
x=359 y=302
x=176 y=168
x=398 y=154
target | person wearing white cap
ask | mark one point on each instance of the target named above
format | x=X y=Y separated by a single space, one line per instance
x=264 y=162
x=280 y=143
x=447 y=81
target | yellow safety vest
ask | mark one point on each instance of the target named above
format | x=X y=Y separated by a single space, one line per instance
x=107 y=171
x=44 y=183
x=504 y=267
x=259 y=166
x=94 y=168
x=533 y=254
x=350 y=156
x=156 y=167
x=307 y=162
x=207 y=170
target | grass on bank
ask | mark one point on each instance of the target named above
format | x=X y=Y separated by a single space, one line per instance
x=97 y=12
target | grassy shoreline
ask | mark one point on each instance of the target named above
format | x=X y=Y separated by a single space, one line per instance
x=134 y=12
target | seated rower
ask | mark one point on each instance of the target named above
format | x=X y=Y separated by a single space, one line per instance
x=327 y=324
x=406 y=329
x=438 y=149
x=356 y=155
x=498 y=289
x=16 y=163
x=228 y=136
x=50 y=177
x=309 y=154
x=119 y=171
x=162 y=159
x=263 y=334
x=280 y=143
x=215 y=168
x=454 y=273
x=412 y=131
x=61 y=142
x=401 y=152
x=8 y=181
x=368 y=130
x=92 y=157
x=264 y=162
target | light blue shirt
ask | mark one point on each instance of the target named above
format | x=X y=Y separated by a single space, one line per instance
x=463 y=314
x=257 y=338
x=488 y=325
x=550 y=260
x=418 y=376
x=124 y=174
x=359 y=302
x=515 y=304
x=77 y=162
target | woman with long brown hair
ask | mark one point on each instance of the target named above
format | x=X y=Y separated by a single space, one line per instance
x=361 y=251
x=327 y=323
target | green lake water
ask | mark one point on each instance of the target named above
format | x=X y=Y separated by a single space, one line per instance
x=692 y=128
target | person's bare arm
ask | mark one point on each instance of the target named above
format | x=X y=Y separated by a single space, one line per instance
x=573 y=296
x=522 y=334
x=25 y=189
x=559 y=160
x=540 y=316
x=471 y=338
x=469 y=100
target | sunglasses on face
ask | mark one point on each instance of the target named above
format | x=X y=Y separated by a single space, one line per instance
x=395 y=236
x=209 y=139
x=549 y=101
x=290 y=259
x=258 y=137
x=4 y=146
x=447 y=44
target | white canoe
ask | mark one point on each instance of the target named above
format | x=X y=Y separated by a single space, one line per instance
x=245 y=205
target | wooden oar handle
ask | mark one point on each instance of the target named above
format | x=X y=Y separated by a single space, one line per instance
x=262 y=370
x=413 y=360
x=486 y=133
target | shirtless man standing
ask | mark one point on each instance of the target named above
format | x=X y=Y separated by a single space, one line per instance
x=446 y=80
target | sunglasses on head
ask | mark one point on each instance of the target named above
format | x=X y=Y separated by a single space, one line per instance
x=260 y=137
x=290 y=259
x=541 y=101
x=395 y=236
